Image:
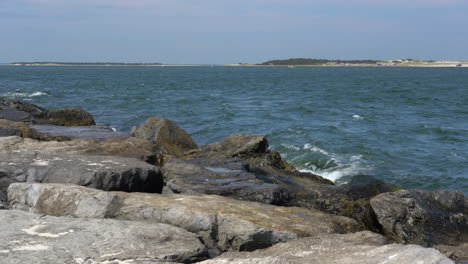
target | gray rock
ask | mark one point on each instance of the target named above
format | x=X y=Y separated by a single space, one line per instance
x=16 y=116
x=8 y=132
x=424 y=218
x=93 y=132
x=226 y=177
x=168 y=138
x=100 y=172
x=359 y=248
x=235 y=178
x=65 y=117
x=14 y=104
x=223 y=223
x=30 y=238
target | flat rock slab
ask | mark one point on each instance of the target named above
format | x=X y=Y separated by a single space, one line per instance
x=123 y=147
x=30 y=238
x=49 y=163
x=93 y=132
x=223 y=223
x=424 y=218
x=226 y=177
x=358 y=248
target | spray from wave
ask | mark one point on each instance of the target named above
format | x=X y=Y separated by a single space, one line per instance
x=335 y=167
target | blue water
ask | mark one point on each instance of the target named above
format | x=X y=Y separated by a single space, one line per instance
x=407 y=126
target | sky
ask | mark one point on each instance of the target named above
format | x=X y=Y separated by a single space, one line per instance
x=235 y=31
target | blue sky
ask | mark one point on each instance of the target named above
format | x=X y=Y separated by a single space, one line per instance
x=221 y=31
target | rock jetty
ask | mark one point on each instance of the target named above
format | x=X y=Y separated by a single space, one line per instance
x=74 y=192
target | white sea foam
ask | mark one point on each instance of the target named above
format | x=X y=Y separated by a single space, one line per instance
x=342 y=165
x=37 y=94
x=358 y=117
x=292 y=147
x=336 y=173
x=316 y=149
x=18 y=93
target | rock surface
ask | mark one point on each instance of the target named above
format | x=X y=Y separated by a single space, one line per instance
x=359 y=248
x=52 y=165
x=30 y=238
x=15 y=110
x=235 y=178
x=91 y=132
x=122 y=147
x=14 y=104
x=223 y=223
x=424 y=218
x=251 y=148
x=168 y=138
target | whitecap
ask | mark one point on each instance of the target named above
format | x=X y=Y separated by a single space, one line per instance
x=18 y=93
x=336 y=173
x=358 y=117
x=37 y=94
x=316 y=149
x=292 y=147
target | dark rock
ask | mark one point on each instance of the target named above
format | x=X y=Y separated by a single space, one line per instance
x=236 y=179
x=169 y=139
x=39 y=239
x=65 y=117
x=358 y=248
x=8 y=132
x=424 y=218
x=16 y=116
x=14 y=104
x=223 y=223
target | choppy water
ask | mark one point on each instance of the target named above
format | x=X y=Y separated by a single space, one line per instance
x=408 y=126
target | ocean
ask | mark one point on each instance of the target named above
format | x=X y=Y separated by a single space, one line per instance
x=406 y=126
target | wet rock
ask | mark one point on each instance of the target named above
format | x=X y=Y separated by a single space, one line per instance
x=351 y=199
x=363 y=247
x=424 y=218
x=65 y=117
x=16 y=110
x=223 y=223
x=235 y=178
x=168 y=138
x=30 y=238
x=14 y=104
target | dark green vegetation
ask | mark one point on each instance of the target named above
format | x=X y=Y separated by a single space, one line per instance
x=302 y=61
x=84 y=63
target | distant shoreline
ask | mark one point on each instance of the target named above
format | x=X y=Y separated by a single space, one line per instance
x=436 y=64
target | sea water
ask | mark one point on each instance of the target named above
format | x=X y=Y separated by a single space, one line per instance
x=407 y=126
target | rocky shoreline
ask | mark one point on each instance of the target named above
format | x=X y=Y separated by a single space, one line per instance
x=74 y=192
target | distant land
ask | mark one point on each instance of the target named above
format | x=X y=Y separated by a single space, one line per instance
x=48 y=63
x=293 y=62
x=395 y=63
